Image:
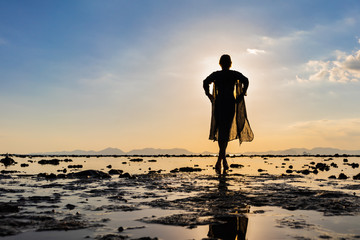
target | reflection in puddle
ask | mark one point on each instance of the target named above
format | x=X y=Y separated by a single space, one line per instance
x=229 y=228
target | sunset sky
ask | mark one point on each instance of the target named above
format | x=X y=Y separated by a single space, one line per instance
x=86 y=74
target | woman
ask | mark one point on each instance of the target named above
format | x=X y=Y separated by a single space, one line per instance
x=229 y=120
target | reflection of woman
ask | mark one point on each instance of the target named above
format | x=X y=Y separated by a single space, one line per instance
x=229 y=120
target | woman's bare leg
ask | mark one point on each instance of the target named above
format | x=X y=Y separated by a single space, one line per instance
x=222 y=155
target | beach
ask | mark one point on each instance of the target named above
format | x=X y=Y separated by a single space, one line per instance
x=179 y=197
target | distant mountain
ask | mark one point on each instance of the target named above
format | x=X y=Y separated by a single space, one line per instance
x=181 y=151
x=116 y=151
x=305 y=151
x=158 y=151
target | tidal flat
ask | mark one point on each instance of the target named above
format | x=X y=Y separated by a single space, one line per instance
x=179 y=197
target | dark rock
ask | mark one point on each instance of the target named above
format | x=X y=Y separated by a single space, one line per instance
x=70 y=206
x=24 y=165
x=345 y=160
x=152 y=160
x=315 y=171
x=334 y=165
x=322 y=166
x=67 y=160
x=7 y=161
x=289 y=171
x=342 y=176
x=120 y=229
x=136 y=160
x=234 y=165
x=356 y=177
x=186 y=169
x=89 y=174
x=332 y=177
x=111 y=237
x=52 y=161
x=353 y=165
x=75 y=166
x=109 y=166
x=115 y=172
x=305 y=172
x=286 y=159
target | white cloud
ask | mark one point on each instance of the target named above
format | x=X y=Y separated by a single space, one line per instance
x=346 y=68
x=254 y=51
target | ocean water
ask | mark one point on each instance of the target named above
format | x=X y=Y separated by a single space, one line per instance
x=104 y=215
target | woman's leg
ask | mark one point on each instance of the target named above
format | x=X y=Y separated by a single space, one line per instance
x=222 y=155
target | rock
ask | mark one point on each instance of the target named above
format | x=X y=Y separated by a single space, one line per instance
x=186 y=169
x=109 y=166
x=305 y=172
x=289 y=171
x=152 y=160
x=70 y=206
x=342 y=176
x=115 y=172
x=334 y=165
x=24 y=165
x=332 y=177
x=120 y=229
x=234 y=165
x=136 y=160
x=345 y=160
x=356 y=177
x=90 y=174
x=75 y=166
x=7 y=161
x=52 y=161
x=322 y=166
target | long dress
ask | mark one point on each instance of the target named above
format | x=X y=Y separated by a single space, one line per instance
x=228 y=119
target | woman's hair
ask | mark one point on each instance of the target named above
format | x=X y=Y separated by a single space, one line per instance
x=225 y=61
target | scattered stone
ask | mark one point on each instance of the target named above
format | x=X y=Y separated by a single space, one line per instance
x=342 y=176
x=115 y=172
x=152 y=160
x=322 y=167
x=24 y=165
x=186 y=169
x=111 y=237
x=356 y=177
x=234 y=165
x=345 y=160
x=334 y=165
x=136 y=160
x=289 y=171
x=7 y=161
x=332 y=177
x=353 y=165
x=70 y=206
x=89 y=174
x=286 y=159
x=109 y=166
x=75 y=166
x=120 y=229
x=52 y=162
x=305 y=172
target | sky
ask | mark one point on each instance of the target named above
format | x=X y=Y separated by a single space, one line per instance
x=91 y=74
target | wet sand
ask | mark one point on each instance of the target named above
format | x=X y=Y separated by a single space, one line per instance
x=167 y=197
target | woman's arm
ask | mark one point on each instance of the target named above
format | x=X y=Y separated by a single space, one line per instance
x=206 y=84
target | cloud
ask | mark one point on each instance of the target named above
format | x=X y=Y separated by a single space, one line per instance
x=345 y=69
x=254 y=51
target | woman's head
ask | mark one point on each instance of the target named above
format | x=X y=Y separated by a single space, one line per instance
x=225 y=61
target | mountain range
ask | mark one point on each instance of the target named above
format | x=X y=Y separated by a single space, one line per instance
x=181 y=151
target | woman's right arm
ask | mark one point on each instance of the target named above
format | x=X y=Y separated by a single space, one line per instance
x=206 y=84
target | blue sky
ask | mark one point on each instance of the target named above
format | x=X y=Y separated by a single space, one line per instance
x=128 y=74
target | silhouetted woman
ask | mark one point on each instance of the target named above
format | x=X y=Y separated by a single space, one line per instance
x=229 y=120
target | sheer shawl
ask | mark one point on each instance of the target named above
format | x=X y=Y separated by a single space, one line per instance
x=240 y=127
